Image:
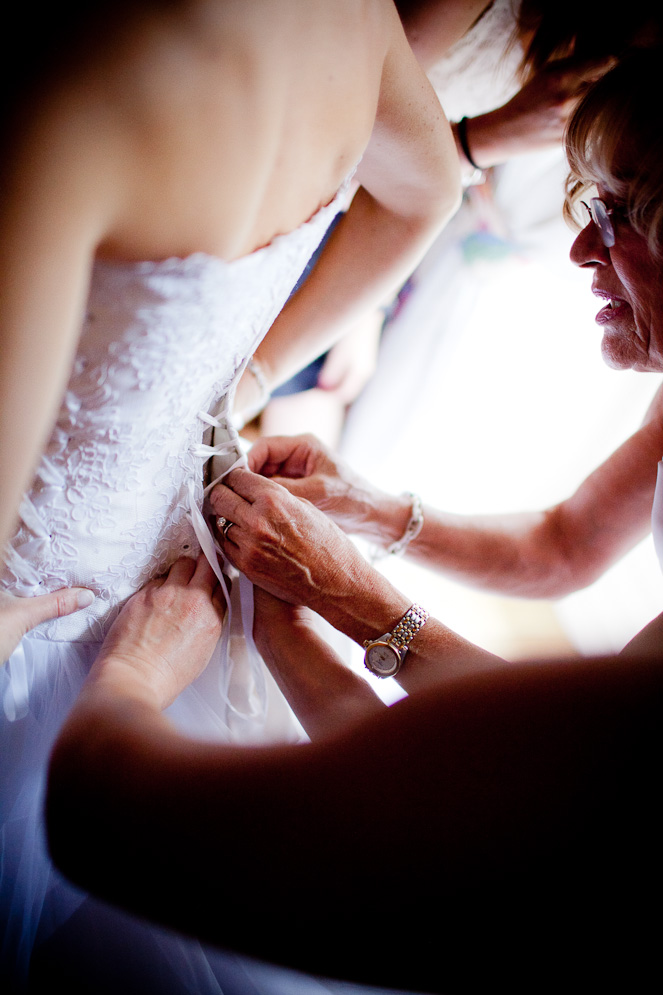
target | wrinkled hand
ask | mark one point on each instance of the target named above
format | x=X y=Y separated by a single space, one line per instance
x=166 y=633
x=19 y=615
x=283 y=544
x=536 y=116
x=309 y=470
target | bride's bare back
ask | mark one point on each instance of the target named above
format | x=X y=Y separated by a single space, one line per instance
x=198 y=126
x=245 y=118
x=225 y=123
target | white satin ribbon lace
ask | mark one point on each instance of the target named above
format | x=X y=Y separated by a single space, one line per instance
x=224 y=456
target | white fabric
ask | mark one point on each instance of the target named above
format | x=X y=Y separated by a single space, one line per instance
x=479 y=73
x=117 y=498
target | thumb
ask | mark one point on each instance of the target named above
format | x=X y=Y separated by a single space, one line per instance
x=33 y=611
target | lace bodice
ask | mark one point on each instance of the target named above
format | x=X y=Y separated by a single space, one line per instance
x=161 y=345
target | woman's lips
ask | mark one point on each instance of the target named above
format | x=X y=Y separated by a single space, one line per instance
x=612 y=309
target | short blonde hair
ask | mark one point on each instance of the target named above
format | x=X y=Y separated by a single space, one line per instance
x=615 y=140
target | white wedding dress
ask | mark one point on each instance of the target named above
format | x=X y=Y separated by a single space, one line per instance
x=116 y=499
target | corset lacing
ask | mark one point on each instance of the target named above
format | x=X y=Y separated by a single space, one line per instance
x=222 y=457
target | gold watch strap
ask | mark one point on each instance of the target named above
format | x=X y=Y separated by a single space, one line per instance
x=413 y=620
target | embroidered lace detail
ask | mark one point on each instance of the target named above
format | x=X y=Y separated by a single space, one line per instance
x=110 y=506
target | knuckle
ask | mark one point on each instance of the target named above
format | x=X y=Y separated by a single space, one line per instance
x=271 y=505
x=192 y=610
x=64 y=603
x=215 y=497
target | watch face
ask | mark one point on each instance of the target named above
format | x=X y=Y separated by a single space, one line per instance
x=382 y=659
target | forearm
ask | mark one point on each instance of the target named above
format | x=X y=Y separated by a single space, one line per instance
x=495 y=137
x=115 y=703
x=368 y=257
x=364 y=605
x=325 y=695
x=98 y=769
x=59 y=187
x=522 y=554
x=34 y=366
x=116 y=765
x=535 y=117
x=409 y=187
x=484 y=791
x=527 y=554
x=541 y=554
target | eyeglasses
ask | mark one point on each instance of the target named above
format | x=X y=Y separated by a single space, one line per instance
x=600 y=215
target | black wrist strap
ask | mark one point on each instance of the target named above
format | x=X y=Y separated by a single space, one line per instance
x=461 y=127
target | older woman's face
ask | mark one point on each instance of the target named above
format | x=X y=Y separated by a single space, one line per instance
x=630 y=281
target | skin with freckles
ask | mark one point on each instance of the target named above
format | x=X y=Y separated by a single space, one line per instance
x=629 y=275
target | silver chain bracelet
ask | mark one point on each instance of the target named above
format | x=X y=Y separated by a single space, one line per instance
x=412 y=530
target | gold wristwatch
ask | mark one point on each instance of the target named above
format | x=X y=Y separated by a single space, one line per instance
x=384 y=656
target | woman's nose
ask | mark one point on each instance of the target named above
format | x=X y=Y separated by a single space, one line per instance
x=588 y=248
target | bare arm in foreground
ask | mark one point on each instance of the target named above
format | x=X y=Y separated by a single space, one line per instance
x=502 y=828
